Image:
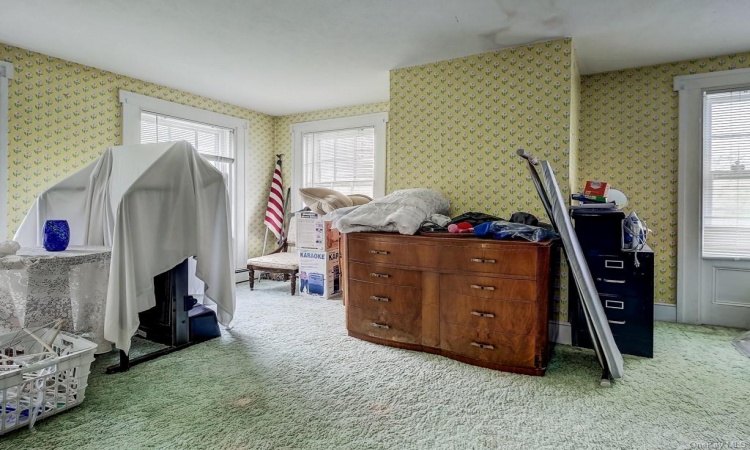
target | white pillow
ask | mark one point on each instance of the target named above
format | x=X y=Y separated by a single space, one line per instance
x=323 y=200
x=359 y=199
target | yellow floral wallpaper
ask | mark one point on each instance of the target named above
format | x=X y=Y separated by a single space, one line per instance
x=63 y=115
x=455 y=126
x=628 y=137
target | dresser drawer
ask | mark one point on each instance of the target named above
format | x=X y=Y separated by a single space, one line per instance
x=382 y=325
x=488 y=287
x=491 y=315
x=383 y=297
x=377 y=273
x=489 y=258
x=379 y=249
x=497 y=348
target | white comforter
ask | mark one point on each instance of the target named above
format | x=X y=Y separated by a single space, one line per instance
x=401 y=211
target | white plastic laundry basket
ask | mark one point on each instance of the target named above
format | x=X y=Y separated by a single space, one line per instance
x=49 y=386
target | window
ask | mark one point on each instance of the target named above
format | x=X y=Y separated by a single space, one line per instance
x=216 y=144
x=218 y=138
x=347 y=155
x=726 y=174
x=6 y=73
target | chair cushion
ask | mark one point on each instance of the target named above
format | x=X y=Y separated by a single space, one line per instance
x=283 y=260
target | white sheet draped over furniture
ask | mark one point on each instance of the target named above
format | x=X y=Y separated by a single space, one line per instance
x=155 y=205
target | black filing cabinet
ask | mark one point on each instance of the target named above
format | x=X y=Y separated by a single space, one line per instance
x=624 y=280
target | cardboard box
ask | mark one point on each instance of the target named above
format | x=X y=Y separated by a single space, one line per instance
x=314 y=233
x=319 y=273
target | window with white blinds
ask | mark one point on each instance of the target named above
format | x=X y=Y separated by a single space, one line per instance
x=219 y=138
x=726 y=174
x=346 y=154
x=343 y=160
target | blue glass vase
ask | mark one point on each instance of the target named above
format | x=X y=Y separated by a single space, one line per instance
x=56 y=235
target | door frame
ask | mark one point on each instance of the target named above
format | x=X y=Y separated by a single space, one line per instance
x=690 y=192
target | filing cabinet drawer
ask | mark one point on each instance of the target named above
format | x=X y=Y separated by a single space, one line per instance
x=495 y=316
x=617 y=273
x=631 y=321
x=628 y=316
x=377 y=273
x=392 y=299
x=489 y=287
x=628 y=344
x=382 y=325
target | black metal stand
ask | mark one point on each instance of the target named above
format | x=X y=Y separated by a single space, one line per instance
x=166 y=323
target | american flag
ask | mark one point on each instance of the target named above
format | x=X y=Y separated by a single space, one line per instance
x=275 y=209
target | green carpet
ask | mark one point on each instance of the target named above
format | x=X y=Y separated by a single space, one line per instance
x=287 y=376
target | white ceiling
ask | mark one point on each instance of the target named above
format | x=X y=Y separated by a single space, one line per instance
x=288 y=56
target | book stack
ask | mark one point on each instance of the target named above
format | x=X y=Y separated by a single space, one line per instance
x=593 y=197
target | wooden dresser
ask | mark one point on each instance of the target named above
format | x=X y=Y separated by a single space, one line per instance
x=480 y=301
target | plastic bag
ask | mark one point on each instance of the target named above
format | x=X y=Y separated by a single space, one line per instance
x=501 y=229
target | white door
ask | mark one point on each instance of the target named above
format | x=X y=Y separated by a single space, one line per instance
x=725 y=211
x=714 y=199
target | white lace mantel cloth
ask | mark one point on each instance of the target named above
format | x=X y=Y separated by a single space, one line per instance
x=37 y=287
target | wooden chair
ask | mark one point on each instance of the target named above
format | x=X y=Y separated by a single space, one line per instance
x=280 y=260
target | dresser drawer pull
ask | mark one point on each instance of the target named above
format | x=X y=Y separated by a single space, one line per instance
x=614 y=304
x=380 y=299
x=617 y=322
x=381 y=326
x=482 y=314
x=484 y=346
x=614 y=264
x=380 y=275
x=483 y=288
x=607 y=280
x=481 y=260
x=379 y=252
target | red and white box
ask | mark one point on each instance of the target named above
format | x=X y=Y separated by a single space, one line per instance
x=596 y=190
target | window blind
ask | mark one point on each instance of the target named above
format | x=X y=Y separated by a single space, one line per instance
x=726 y=174
x=209 y=140
x=343 y=160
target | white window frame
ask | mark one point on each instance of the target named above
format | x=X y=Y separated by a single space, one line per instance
x=689 y=184
x=6 y=73
x=132 y=106
x=377 y=120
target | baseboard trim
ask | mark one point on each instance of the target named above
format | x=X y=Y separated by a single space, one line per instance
x=665 y=312
x=560 y=332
